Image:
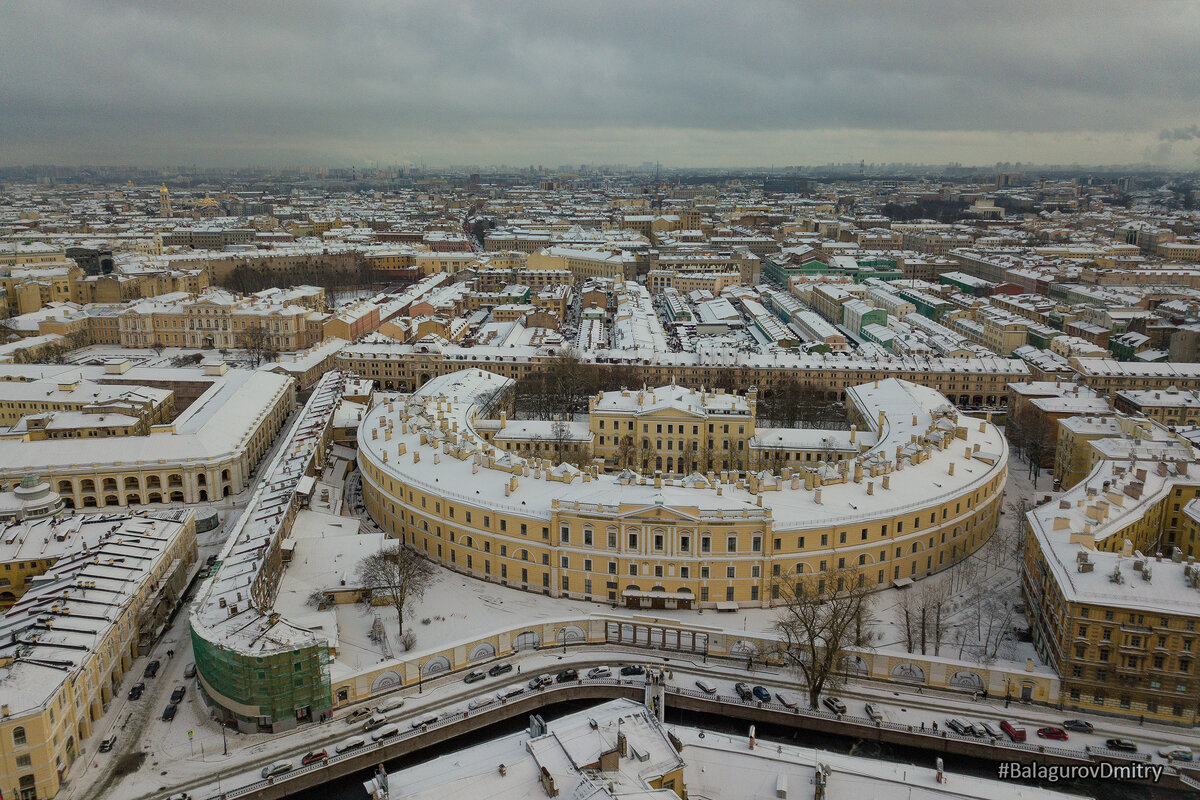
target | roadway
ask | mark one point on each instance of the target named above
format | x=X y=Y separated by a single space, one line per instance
x=447 y=699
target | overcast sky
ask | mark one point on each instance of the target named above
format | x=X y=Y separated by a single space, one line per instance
x=232 y=82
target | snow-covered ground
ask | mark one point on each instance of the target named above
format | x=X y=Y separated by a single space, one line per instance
x=458 y=608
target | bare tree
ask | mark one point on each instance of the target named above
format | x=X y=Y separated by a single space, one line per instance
x=397 y=574
x=822 y=616
x=256 y=341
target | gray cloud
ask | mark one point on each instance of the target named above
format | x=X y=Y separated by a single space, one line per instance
x=700 y=82
x=1180 y=134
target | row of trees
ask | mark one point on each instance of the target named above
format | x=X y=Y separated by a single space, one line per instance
x=1032 y=437
x=247 y=279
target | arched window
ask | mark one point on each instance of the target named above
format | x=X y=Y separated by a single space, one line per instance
x=18 y=737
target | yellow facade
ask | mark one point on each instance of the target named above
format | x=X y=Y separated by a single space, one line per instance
x=677 y=553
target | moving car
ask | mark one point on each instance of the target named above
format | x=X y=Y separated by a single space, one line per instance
x=1078 y=725
x=567 y=675
x=500 y=669
x=135 y=692
x=169 y=712
x=474 y=675
x=743 y=690
x=189 y=671
x=599 y=672
x=633 y=669
x=357 y=714
x=151 y=669
x=1176 y=753
x=1052 y=733
x=1124 y=745
x=313 y=756
x=540 y=681
x=761 y=693
x=1014 y=733
x=177 y=695
x=835 y=705
x=385 y=733
x=349 y=744
x=108 y=743
x=373 y=722
x=276 y=768
x=706 y=687
x=873 y=713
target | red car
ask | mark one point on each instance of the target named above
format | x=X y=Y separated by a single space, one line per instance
x=1052 y=733
x=314 y=757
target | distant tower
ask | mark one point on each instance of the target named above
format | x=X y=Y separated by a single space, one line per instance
x=164 y=201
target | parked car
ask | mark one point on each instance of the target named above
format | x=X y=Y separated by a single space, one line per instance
x=834 y=704
x=1015 y=733
x=513 y=691
x=349 y=744
x=1078 y=725
x=873 y=713
x=540 y=681
x=567 y=675
x=977 y=729
x=389 y=705
x=357 y=714
x=599 y=672
x=474 y=675
x=169 y=712
x=108 y=743
x=500 y=669
x=761 y=693
x=313 y=756
x=374 y=721
x=633 y=669
x=385 y=733
x=957 y=725
x=480 y=702
x=706 y=687
x=276 y=768
x=1176 y=753
x=1052 y=733
x=743 y=690
x=189 y=671
x=180 y=796
x=1124 y=745
x=151 y=669
x=135 y=691
x=990 y=729
x=429 y=720
x=178 y=693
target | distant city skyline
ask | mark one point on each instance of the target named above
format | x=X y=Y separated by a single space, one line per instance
x=697 y=85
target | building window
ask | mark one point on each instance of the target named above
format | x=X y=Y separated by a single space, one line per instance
x=18 y=735
x=731 y=544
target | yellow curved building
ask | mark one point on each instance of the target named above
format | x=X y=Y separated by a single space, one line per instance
x=922 y=491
